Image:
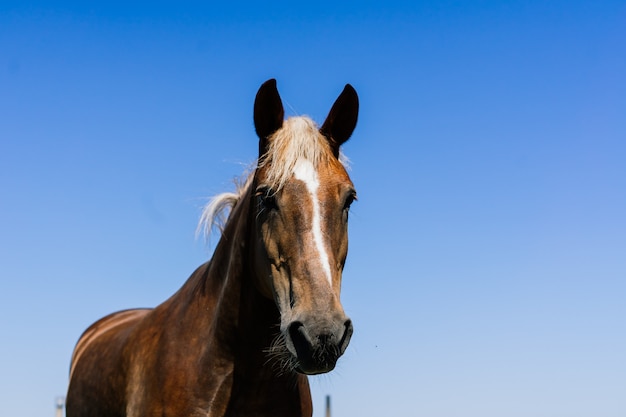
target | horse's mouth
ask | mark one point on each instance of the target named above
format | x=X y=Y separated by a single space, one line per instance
x=317 y=354
x=314 y=371
x=317 y=365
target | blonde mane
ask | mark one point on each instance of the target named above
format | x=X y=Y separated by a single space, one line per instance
x=299 y=138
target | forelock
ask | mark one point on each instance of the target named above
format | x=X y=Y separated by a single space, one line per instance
x=299 y=138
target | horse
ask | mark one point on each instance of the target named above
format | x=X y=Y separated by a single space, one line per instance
x=243 y=332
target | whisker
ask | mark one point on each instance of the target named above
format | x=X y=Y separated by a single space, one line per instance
x=279 y=356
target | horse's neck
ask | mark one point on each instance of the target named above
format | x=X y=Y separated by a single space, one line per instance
x=225 y=319
x=221 y=298
x=223 y=288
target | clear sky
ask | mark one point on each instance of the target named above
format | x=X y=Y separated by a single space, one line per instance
x=487 y=267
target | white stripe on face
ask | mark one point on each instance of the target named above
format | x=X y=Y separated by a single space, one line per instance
x=305 y=172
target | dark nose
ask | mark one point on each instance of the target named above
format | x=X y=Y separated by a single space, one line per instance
x=318 y=347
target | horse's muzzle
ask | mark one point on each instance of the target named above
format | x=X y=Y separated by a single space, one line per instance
x=317 y=351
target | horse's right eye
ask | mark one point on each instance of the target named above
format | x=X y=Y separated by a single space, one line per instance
x=267 y=199
x=269 y=202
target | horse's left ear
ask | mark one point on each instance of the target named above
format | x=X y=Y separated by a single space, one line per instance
x=341 y=119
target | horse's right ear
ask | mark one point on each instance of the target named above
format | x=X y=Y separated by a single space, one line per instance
x=268 y=113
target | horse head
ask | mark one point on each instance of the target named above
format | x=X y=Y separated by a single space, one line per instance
x=302 y=197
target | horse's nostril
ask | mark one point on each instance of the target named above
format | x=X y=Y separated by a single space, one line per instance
x=347 y=334
x=299 y=336
x=348 y=327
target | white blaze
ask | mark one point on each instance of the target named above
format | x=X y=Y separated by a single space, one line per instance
x=305 y=172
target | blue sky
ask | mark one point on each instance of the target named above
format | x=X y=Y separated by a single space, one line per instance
x=487 y=266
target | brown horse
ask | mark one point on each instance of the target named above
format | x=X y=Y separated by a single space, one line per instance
x=239 y=337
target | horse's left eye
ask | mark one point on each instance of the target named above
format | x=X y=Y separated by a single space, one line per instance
x=349 y=200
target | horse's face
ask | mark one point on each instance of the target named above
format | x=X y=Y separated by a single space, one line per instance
x=303 y=232
x=303 y=194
